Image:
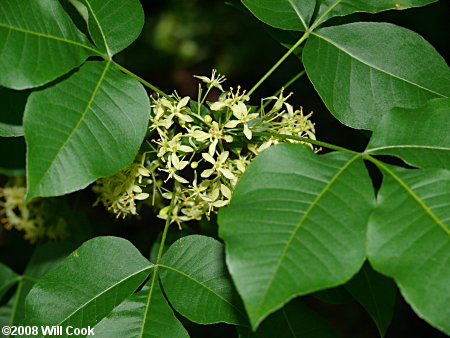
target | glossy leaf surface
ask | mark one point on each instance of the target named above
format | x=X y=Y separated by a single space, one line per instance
x=332 y=8
x=139 y=317
x=420 y=137
x=7 y=279
x=39 y=43
x=376 y=293
x=296 y=224
x=45 y=258
x=362 y=70
x=197 y=283
x=89 y=126
x=409 y=239
x=284 y=14
x=6 y=311
x=114 y=25
x=88 y=284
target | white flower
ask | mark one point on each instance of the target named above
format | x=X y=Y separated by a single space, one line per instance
x=173 y=166
x=174 y=217
x=214 y=135
x=241 y=163
x=197 y=190
x=172 y=146
x=214 y=81
x=176 y=109
x=281 y=100
x=230 y=99
x=240 y=111
x=218 y=166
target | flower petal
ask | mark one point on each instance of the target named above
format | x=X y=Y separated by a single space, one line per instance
x=209 y=158
x=232 y=124
x=247 y=132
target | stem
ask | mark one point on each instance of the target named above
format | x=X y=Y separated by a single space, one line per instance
x=166 y=228
x=204 y=98
x=160 y=252
x=306 y=140
x=286 y=85
x=16 y=302
x=291 y=81
x=319 y=20
x=141 y=80
x=280 y=61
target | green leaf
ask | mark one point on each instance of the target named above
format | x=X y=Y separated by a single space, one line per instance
x=45 y=258
x=362 y=70
x=7 y=279
x=421 y=137
x=197 y=284
x=139 y=317
x=409 y=238
x=88 y=284
x=6 y=311
x=346 y=7
x=296 y=224
x=376 y=294
x=89 y=126
x=113 y=25
x=39 y=43
x=292 y=321
x=284 y=14
x=9 y=130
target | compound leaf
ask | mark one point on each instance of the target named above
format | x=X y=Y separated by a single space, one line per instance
x=139 y=317
x=409 y=238
x=197 y=284
x=346 y=7
x=114 y=24
x=7 y=279
x=88 y=284
x=296 y=224
x=376 y=293
x=362 y=70
x=284 y=14
x=421 y=137
x=39 y=43
x=89 y=126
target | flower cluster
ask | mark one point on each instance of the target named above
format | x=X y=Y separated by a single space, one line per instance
x=121 y=191
x=29 y=217
x=198 y=150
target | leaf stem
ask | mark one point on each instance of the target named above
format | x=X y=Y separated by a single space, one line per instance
x=291 y=81
x=141 y=80
x=306 y=140
x=166 y=227
x=16 y=302
x=280 y=61
x=158 y=258
x=319 y=20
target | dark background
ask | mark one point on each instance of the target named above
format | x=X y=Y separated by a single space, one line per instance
x=183 y=38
